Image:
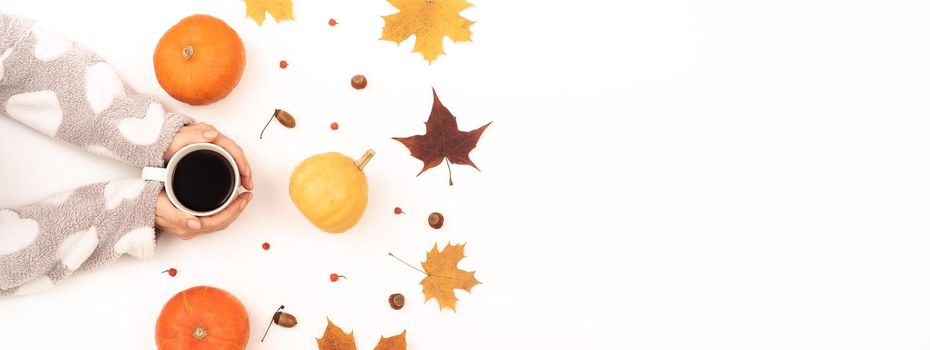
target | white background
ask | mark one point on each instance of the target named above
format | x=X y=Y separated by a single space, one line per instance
x=659 y=175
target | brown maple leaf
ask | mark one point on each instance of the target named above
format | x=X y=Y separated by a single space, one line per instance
x=443 y=140
x=334 y=338
x=443 y=275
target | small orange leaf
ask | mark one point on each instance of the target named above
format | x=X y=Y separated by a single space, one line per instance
x=334 y=338
x=397 y=342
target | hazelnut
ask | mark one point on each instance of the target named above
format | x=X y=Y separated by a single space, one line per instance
x=435 y=220
x=396 y=300
x=359 y=82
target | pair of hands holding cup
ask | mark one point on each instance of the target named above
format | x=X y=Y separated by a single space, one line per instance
x=169 y=218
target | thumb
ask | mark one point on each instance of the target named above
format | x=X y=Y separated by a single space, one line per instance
x=175 y=221
x=187 y=224
x=193 y=223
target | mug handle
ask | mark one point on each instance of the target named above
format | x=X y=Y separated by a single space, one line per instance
x=155 y=174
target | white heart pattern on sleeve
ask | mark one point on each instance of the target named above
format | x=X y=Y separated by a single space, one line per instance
x=103 y=85
x=49 y=45
x=139 y=243
x=16 y=233
x=38 y=109
x=144 y=131
x=115 y=192
x=77 y=247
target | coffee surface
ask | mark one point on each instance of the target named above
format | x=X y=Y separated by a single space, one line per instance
x=203 y=180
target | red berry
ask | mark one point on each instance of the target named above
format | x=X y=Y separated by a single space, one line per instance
x=266 y=246
x=398 y=211
x=334 y=126
x=332 y=22
x=282 y=64
x=333 y=277
x=171 y=272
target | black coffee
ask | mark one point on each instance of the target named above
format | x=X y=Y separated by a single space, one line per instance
x=203 y=180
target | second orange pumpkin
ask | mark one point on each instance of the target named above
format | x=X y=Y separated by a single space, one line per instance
x=202 y=318
x=199 y=60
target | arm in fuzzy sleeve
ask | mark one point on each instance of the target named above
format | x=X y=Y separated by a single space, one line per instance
x=66 y=91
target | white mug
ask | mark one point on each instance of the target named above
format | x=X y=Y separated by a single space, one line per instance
x=167 y=173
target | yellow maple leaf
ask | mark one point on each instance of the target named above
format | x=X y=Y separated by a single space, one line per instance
x=443 y=275
x=430 y=21
x=280 y=10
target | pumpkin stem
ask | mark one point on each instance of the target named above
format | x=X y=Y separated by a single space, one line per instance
x=361 y=162
x=200 y=333
x=188 y=52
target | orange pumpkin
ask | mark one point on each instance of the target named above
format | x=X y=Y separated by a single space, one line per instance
x=200 y=60
x=202 y=318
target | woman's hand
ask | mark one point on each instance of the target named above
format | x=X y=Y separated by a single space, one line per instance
x=170 y=219
x=186 y=226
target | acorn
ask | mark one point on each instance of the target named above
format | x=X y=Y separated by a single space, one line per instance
x=284 y=319
x=285 y=118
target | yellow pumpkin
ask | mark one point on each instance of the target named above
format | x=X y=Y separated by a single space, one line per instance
x=331 y=190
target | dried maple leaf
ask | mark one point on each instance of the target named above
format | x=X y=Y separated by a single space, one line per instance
x=397 y=342
x=429 y=20
x=334 y=338
x=443 y=139
x=443 y=275
x=280 y=10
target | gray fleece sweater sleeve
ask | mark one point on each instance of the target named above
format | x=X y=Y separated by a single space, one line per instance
x=66 y=91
